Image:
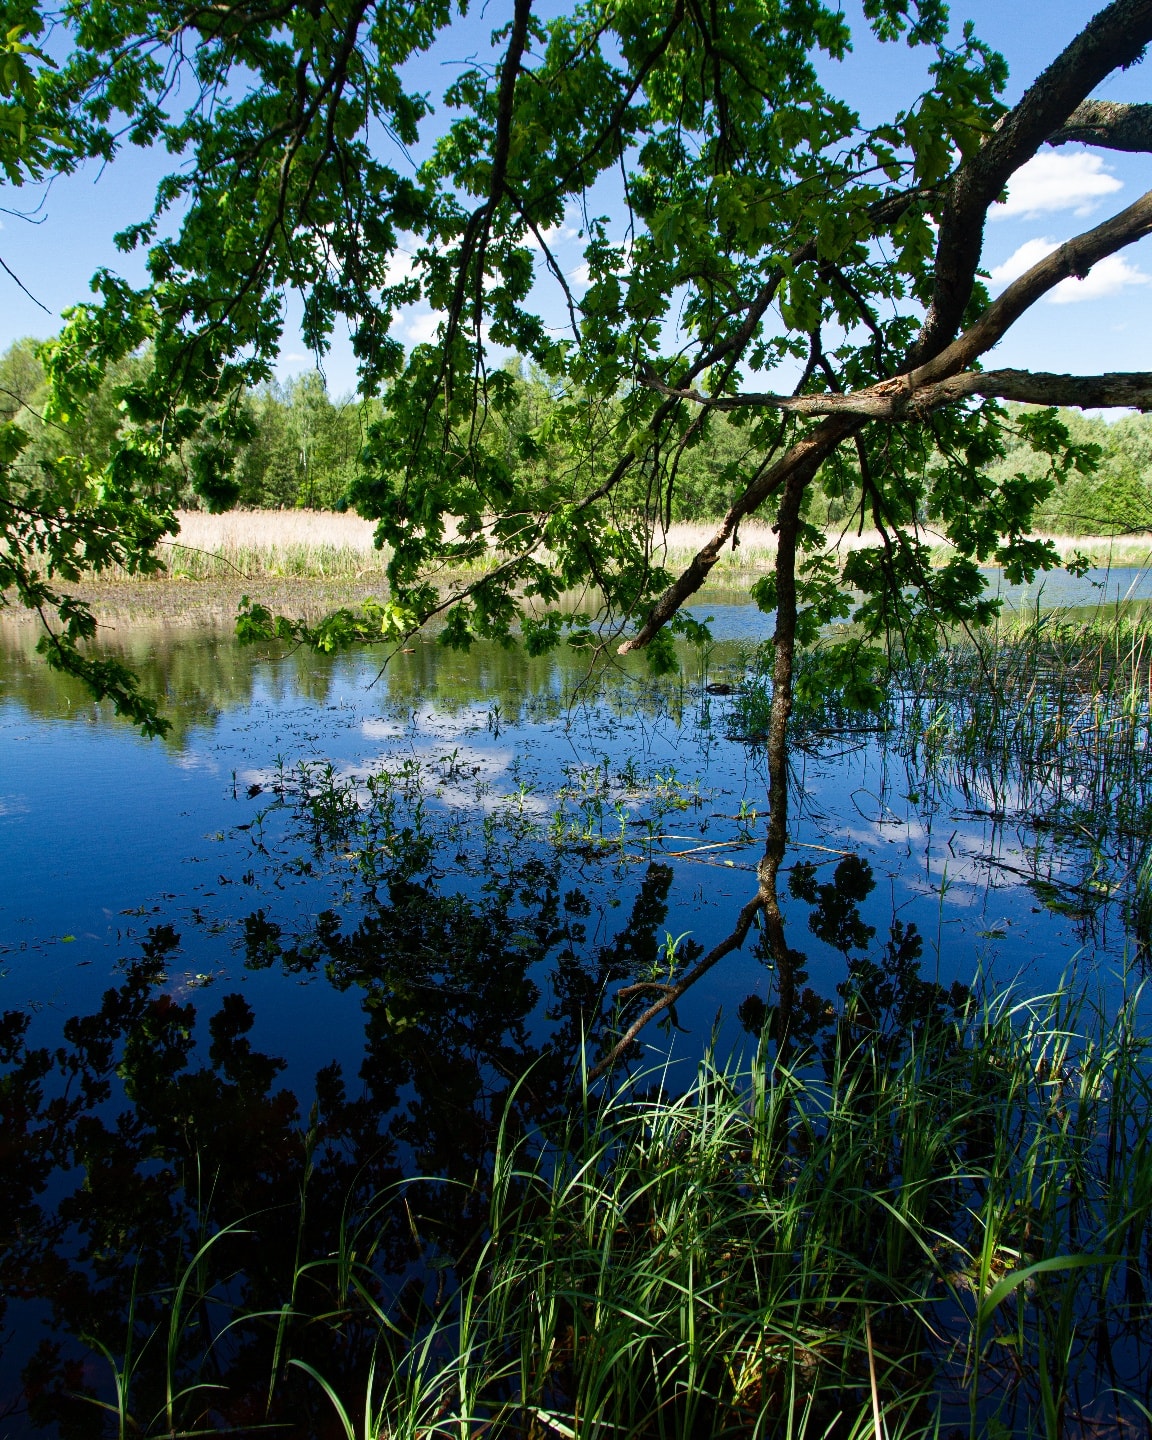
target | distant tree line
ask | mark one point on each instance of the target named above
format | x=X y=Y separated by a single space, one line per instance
x=304 y=450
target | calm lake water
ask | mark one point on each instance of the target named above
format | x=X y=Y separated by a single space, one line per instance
x=361 y=906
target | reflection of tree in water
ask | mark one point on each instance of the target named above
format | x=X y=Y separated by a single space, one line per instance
x=883 y=998
x=168 y=1145
x=203 y=671
x=135 y=1146
x=130 y=1145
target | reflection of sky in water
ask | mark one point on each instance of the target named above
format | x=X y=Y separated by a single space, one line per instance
x=113 y=833
x=1097 y=587
x=1056 y=589
x=104 y=835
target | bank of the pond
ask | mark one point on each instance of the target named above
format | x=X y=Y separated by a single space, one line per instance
x=212 y=602
x=306 y=563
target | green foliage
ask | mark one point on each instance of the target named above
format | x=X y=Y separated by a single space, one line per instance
x=304 y=446
x=1100 y=484
x=60 y=518
x=32 y=143
x=760 y=225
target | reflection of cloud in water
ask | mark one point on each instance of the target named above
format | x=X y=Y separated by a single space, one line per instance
x=196 y=760
x=458 y=798
x=445 y=726
x=481 y=763
x=960 y=856
x=466 y=777
x=429 y=721
x=377 y=728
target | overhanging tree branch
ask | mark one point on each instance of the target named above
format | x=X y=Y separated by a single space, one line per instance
x=1107 y=123
x=891 y=398
x=1116 y=37
x=1129 y=389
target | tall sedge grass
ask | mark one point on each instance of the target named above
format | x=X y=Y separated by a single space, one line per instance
x=1043 y=719
x=937 y=1229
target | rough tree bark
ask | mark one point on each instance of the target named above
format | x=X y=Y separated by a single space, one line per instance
x=1104 y=122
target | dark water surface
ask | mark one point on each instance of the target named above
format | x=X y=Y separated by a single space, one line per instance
x=335 y=916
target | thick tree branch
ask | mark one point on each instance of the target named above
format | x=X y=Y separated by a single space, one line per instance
x=1074 y=258
x=890 y=398
x=1113 y=39
x=1131 y=389
x=1104 y=122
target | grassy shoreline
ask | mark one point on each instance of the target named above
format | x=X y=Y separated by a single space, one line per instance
x=308 y=562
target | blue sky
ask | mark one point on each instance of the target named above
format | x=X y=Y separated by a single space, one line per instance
x=1102 y=323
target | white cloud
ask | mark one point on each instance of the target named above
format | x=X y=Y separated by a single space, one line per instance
x=552 y=235
x=420 y=327
x=1029 y=254
x=561 y=233
x=399 y=267
x=1107 y=277
x=1060 y=180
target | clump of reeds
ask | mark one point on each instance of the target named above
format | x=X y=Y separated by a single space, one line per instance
x=1045 y=717
x=258 y=544
x=1042 y=721
x=946 y=1221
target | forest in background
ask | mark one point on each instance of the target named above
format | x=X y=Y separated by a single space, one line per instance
x=305 y=444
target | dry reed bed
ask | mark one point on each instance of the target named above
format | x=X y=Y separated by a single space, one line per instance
x=297 y=542
x=309 y=562
x=257 y=543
